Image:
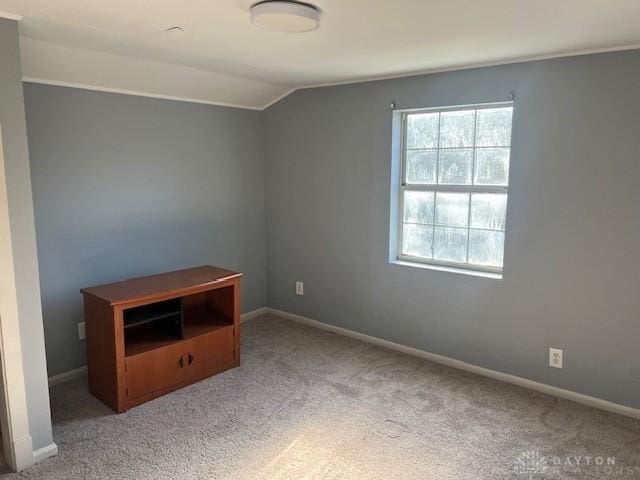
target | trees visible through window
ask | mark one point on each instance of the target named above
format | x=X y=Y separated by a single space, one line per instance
x=454 y=189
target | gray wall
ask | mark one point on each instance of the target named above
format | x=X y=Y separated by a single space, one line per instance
x=572 y=258
x=126 y=186
x=23 y=239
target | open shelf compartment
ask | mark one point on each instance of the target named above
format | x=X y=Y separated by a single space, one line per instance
x=155 y=312
x=163 y=323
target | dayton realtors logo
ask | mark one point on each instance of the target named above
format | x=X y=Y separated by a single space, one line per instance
x=532 y=463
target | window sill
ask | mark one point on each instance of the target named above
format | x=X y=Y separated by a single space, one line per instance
x=443 y=268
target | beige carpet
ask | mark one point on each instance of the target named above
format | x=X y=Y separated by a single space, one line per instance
x=309 y=405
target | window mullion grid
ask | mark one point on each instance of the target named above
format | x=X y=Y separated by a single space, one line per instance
x=473 y=167
x=435 y=195
x=479 y=229
x=430 y=187
x=457 y=148
x=403 y=151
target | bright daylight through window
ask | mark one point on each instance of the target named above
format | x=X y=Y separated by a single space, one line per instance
x=454 y=188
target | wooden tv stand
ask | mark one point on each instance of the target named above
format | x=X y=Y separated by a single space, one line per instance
x=151 y=335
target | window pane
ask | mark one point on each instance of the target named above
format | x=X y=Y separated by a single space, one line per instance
x=492 y=166
x=422 y=130
x=494 y=127
x=455 y=166
x=418 y=207
x=417 y=240
x=486 y=248
x=452 y=209
x=450 y=244
x=488 y=210
x=456 y=129
x=421 y=166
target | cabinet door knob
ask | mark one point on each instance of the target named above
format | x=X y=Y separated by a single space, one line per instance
x=190 y=359
x=181 y=362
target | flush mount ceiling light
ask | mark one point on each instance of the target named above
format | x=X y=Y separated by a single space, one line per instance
x=285 y=16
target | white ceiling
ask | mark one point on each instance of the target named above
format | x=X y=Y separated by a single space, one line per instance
x=220 y=57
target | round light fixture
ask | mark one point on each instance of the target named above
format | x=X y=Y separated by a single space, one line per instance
x=285 y=16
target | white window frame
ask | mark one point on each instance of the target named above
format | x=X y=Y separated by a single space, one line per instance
x=404 y=186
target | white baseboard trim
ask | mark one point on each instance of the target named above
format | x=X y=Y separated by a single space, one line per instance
x=66 y=376
x=460 y=365
x=45 y=452
x=253 y=314
x=78 y=372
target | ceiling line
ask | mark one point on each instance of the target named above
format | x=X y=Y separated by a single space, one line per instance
x=285 y=94
x=11 y=16
x=326 y=84
x=472 y=66
x=136 y=93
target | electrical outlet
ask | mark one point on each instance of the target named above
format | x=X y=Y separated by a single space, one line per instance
x=81 y=332
x=555 y=357
x=299 y=288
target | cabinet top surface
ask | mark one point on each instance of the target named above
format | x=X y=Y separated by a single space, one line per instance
x=179 y=281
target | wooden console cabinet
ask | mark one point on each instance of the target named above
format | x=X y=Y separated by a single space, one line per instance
x=151 y=335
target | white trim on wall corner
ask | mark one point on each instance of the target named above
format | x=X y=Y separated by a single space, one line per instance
x=135 y=93
x=45 y=452
x=79 y=372
x=23 y=448
x=276 y=100
x=460 y=365
x=365 y=79
x=11 y=16
x=14 y=414
x=472 y=66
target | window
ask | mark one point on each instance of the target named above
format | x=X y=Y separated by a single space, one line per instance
x=454 y=186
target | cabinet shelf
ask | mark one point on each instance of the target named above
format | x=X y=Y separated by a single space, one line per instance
x=141 y=320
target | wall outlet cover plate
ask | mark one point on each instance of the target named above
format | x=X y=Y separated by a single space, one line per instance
x=555 y=357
